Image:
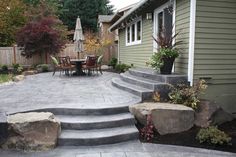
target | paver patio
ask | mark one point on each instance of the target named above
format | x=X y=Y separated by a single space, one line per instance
x=45 y=91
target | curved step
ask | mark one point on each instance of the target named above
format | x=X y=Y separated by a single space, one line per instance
x=86 y=111
x=97 y=137
x=143 y=82
x=95 y=122
x=153 y=75
x=144 y=93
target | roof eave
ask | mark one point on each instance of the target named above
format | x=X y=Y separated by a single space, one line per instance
x=130 y=12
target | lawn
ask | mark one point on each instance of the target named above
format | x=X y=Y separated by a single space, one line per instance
x=5 y=78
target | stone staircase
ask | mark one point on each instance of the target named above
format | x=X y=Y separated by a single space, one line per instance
x=143 y=82
x=98 y=126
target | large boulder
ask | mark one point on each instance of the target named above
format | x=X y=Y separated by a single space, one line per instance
x=209 y=113
x=32 y=131
x=167 y=118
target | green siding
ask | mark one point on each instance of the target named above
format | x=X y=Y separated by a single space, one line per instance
x=182 y=22
x=215 y=49
x=138 y=54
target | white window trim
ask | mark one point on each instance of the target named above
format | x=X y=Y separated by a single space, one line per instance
x=135 y=42
x=191 y=41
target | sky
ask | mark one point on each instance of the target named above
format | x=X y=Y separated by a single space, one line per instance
x=122 y=3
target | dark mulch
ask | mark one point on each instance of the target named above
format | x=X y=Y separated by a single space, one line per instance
x=188 y=138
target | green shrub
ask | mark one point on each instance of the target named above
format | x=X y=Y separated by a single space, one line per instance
x=188 y=95
x=113 y=62
x=4 y=69
x=212 y=135
x=122 y=67
x=43 y=68
x=17 y=68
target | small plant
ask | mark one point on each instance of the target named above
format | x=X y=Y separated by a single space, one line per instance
x=166 y=53
x=212 y=135
x=188 y=95
x=4 y=69
x=122 y=67
x=156 y=96
x=17 y=68
x=113 y=62
x=157 y=59
x=147 y=132
x=43 y=68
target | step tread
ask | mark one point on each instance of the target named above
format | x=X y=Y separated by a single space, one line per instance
x=142 y=79
x=97 y=133
x=131 y=86
x=93 y=118
x=153 y=72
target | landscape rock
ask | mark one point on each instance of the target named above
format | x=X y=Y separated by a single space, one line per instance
x=30 y=72
x=167 y=118
x=209 y=113
x=32 y=131
x=18 y=78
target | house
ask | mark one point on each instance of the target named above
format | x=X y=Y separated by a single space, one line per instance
x=104 y=23
x=208 y=32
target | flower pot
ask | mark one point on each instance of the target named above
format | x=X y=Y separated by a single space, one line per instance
x=167 y=66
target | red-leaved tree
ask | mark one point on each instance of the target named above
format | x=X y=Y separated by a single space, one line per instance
x=43 y=36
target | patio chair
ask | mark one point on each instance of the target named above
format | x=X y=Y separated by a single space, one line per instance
x=99 y=64
x=56 y=65
x=90 y=64
x=67 y=66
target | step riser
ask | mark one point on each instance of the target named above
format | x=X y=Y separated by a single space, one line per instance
x=66 y=111
x=100 y=125
x=142 y=95
x=171 y=79
x=98 y=141
x=136 y=82
x=147 y=76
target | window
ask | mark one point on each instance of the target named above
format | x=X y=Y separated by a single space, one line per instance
x=134 y=33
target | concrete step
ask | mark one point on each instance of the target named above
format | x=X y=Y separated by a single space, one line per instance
x=150 y=74
x=142 y=92
x=88 y=111
x=143 y=82
x=98 y=136
x=95 y=122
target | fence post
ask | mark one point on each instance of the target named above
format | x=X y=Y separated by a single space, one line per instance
x=14 y=53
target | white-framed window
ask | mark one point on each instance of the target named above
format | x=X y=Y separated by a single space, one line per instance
x=134 y=32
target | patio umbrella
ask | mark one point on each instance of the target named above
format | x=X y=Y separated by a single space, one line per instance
x=78 y=37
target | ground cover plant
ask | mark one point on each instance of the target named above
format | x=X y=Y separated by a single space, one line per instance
x=5 y=78
x=213 y=136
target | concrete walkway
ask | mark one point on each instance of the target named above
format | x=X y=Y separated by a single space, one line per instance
x=47 y=91
x=130 y=149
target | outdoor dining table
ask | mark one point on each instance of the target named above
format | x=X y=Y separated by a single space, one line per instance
x=78 y=63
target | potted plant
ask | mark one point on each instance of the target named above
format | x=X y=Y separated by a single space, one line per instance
x=164 y=58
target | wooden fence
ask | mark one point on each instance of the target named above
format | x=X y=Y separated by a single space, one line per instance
x=12 y=55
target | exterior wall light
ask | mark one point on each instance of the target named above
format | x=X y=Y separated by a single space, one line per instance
x=149 y=16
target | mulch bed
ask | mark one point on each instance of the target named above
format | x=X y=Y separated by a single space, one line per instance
x=188 y=138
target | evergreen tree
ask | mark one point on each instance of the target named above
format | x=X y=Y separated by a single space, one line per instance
x=87 y=10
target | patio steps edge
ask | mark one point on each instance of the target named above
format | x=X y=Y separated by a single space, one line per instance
x=98 y=136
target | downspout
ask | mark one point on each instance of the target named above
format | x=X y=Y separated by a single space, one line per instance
x=191 y=41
